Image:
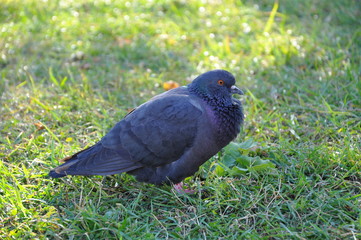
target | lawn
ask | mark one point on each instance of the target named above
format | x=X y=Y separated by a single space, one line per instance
x=69 y=70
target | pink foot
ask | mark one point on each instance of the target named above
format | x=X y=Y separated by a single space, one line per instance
x=179 y=188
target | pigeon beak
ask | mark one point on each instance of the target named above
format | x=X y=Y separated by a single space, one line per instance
x=236 y=90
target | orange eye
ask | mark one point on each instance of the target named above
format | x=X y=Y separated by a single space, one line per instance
x=220 y=82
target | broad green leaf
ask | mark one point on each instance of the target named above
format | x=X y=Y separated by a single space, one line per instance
x=220 y=171
x=244 y=161
x=238 y=171
x=231 y=153
x=229 y=160
x=260 y=165
x=249 y=143
x=232 y=149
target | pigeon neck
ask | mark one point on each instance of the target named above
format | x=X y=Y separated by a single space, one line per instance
x=226 y=114
x=229 y=119
x=213 y=101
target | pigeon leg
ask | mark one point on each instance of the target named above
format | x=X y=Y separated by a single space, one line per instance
x=179 y=188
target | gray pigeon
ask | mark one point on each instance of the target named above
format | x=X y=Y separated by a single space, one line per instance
x=167 y=138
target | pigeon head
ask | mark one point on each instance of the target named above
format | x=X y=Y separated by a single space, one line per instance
x=215 y=85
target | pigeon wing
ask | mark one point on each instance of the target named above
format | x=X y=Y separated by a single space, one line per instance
x=158 y=132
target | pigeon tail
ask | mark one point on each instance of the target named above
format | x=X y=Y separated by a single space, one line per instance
x=54 y=174
x=60 y=171
x=96 y=160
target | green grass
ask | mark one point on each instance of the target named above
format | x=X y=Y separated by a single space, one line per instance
x=70 y=70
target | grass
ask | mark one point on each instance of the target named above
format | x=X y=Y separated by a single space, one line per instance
x=70 y=70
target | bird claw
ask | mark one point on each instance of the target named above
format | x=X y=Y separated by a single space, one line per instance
x=179 y=188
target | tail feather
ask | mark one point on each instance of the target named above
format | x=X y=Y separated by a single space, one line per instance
x=96 y=160
x=54 y=174
x=61 y=171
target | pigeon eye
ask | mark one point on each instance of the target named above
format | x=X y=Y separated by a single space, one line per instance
x=220 y=82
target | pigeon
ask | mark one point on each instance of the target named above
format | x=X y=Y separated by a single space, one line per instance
x=168 y=138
